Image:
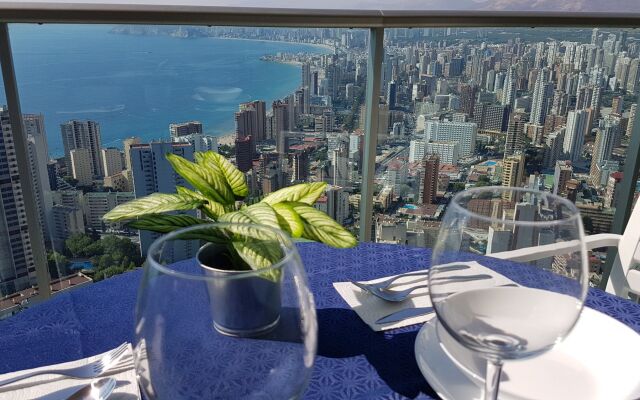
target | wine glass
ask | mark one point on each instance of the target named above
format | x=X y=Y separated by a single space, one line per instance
x=535 y=296
x=206 y=331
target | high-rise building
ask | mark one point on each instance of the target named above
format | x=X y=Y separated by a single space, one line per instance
x=300 y=166
x=126 y=145
x=578 y=125
x=512 y=174
x=66 y=220
x=468 y=94
x=431 y=167
x=562 y=175
x=17 y=268
x=251 y=120
x=335 y=203
x=185 y=128
x=111 y=161
x=77 y=134
x=38 y=162
x=200 y=142
x=82 y=166
x=613 y=189
x=553 y=148
x=391 y=95
x=153 y=173
x=340 y=167
x=245 y=151
x=542 y=95
x=416 y=150
x=447 y=152
x=491 y=117
x=632 y=119
x=509 y=88
x=96 y=204
x=462 y=132
x=602 y=149
x=616 y=105
x=306 y=75
x=515 y=134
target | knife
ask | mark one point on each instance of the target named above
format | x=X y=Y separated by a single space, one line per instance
x=404 y=314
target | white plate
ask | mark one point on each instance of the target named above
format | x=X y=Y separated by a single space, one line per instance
x=598 y=360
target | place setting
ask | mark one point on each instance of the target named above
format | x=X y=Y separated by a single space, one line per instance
x=110 y=375
x=520 y=333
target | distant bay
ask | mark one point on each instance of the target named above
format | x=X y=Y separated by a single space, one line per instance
x=138 y=85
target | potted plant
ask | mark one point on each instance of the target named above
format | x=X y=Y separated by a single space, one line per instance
x=250 y=306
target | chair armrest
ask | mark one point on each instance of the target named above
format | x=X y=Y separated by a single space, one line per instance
x=550 y=250
x=633 y=279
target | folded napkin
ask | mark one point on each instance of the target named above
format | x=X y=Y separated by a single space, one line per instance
x=371 y=308
x=57 y=387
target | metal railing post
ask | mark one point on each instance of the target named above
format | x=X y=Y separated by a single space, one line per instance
x=624 y=201
x=374 y=74
x=22 y=157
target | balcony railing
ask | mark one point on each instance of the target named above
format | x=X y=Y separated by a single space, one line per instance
x=380 y=45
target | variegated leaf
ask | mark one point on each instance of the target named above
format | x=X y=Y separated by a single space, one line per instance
x=304 y=193
x=322 y=228
x=211 y=208
x=288 y=219
x=256 y=214
x=260 y=255
x=234 y=177
x=153 y=204
x=204 y=179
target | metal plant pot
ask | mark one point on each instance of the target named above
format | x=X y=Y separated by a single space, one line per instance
x=241 y=305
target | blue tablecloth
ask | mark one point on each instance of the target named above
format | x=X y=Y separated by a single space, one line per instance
x=353 y=361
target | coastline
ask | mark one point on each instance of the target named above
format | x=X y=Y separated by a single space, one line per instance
x=227 y=139
x=319 y=45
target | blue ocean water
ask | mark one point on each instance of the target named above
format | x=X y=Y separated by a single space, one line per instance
x=138 y=85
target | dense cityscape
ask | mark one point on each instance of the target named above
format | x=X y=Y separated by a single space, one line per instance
x=458 y=108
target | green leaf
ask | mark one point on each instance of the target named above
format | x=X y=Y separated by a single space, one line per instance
x=322 y=228
x=163 y=223
x=304 y=193
x=256 y=214
x=211 y=208
x=259 y=254
x=153 y=204
x=208 y=181
x=289 y=219
x=234 y=177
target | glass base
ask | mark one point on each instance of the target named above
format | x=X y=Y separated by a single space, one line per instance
x=247 y=332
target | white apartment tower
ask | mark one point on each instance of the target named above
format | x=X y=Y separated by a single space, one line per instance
x=78 y=134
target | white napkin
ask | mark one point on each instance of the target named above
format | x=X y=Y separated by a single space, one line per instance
x=57 y=387
x=371 y=308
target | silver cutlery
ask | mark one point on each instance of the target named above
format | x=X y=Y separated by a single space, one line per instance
x=91 y=370
x=404 y=314
x=400 y=295
x=96 y=390
x=387 y=282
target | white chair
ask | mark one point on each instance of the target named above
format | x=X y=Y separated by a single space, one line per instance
x=623 y=279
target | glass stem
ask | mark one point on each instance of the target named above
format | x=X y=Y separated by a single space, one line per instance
x=492 y=379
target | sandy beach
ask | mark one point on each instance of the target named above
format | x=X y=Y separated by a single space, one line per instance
x=227 y=139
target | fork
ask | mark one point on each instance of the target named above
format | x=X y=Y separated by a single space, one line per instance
x=387 y=282
x=91 y=370
x=401 y=295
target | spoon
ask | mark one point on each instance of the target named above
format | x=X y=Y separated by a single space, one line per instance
x=97 y=390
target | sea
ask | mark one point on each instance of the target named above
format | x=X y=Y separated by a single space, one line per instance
x=137 y=85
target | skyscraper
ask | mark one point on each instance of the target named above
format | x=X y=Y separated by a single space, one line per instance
x=512 y=174
x=152 y=173
x=111 y=161
x=632 y=119
x=542 y=94
x=251 y=120
x=126 y=144
x=431 y=167
x=462 y=132
x=82 y=134
x=509 y=88
x=578 y=125
x=17 y=268
x=515 y=134
x=602 y=149
x=468 y=98
x=562 y=174
x=82 y=166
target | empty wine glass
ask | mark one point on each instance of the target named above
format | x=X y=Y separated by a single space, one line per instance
x=532 y=243
x=206 y=331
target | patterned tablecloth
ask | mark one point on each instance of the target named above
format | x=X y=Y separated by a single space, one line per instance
x=353 y=361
